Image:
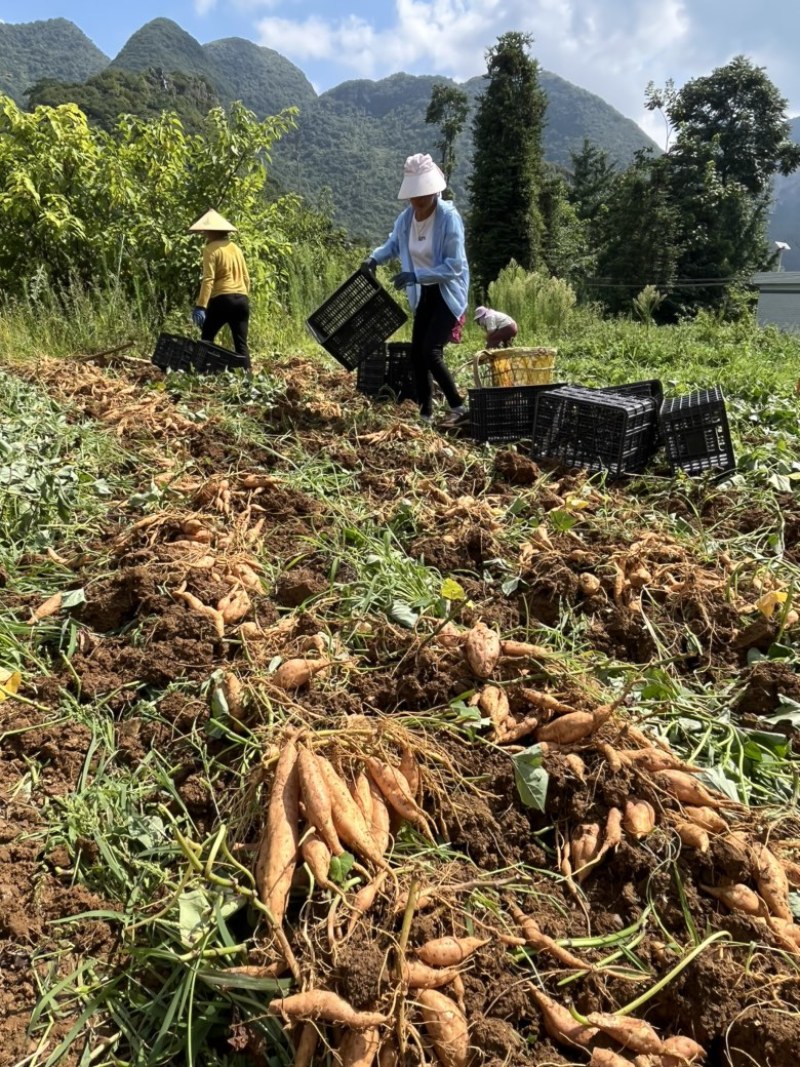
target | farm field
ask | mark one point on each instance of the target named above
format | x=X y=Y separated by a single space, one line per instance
x=591 y=690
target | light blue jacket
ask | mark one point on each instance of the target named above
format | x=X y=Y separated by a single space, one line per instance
x=450 y=268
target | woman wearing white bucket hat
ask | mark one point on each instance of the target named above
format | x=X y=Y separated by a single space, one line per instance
x=428 y=239
x=223 y=298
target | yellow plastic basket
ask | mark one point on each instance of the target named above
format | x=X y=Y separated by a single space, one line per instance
x=514 y=366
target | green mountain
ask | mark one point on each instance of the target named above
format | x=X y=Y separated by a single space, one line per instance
x=54 y=48
x=785 y=221
x=263 y=79
x=350 y=140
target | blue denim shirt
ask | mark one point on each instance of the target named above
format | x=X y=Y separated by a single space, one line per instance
x=450 y=268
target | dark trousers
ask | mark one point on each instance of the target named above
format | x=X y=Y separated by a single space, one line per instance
x=230 y=309
x=500 y=338
x=433 y=323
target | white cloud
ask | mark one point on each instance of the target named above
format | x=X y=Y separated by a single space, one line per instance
x=611 y=47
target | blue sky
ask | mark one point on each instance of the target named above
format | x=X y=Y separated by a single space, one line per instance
x=610 y=47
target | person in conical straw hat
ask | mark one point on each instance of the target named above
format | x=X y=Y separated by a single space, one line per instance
x=224 y=297
x=428 y=239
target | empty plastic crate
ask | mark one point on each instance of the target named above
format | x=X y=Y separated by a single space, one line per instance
x=503 y=413
x=386 y=373
x=696 y=433
x=359 y=316
x=202 y=357
x=651 y=387
x=600 y=431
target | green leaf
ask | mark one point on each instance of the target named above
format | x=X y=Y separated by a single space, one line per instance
x=451 y=590
x=781 y=482
x=403 y=613
x=193 y=914
x=788 y=711
x=716 y=778
x=531 y=778
x=72 y=598
x=562 y=521
x=340 y=867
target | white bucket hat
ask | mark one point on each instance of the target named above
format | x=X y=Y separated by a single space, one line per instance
x=212 y=222
x=421 y=177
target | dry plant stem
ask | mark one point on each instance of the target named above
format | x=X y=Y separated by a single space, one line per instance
x=402 y=943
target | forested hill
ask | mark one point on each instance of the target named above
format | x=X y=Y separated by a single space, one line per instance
x=54 y=48
x=351 y=140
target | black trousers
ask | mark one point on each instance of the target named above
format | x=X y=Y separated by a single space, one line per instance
x=230 y=309
x=433 y=323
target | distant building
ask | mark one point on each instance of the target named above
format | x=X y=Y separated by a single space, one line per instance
x=778 y=299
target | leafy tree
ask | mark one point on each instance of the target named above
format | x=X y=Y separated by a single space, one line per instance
x=565 y=248
x=591 y=181
x=505 y=218
x=448 y=109
x=639 y=234
x=104 y=97
x=741 y=113
x=80 y=204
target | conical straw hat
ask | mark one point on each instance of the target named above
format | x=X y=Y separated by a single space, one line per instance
x=212 y=222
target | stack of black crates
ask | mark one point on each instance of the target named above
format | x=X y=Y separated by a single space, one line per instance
x=201 y=357
x=359 y=316
x=386 y=373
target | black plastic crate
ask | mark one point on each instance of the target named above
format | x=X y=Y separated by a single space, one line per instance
x=696 y=433
x=386 y=373
x=606 y=431
x=357 y=318
x=504 y=412
x=202 y=357
x=651 y=387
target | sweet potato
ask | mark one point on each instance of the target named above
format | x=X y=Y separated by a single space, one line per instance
x=364 y=899
x=481 y=650
x=651 y=759
x=296 y=673
x=233 y=691
x=787 y=932
x=47 y=608
x=684 y=1048
x=447 y=1027
x=409 y=768
x=448 y=951
x=325 y=1005
x=560 y=1024
x=639 y=817
x=388 y=1055
x=737 y=897
x=604 y=1057
x=567 y=729
x=306 y=1046
x=318 y=857
x=522 y=650
x=543 y=943
x=634 y=1034
x=347 y=818
x=546 y=702
x=210 y=613
x=419 y=975
x=584 y=845
x=397 y=792
x=705 y=817
x=792 y=870
x=360 y=792
x=513 y=731
x=317 y=799
x=380 y=822
x=773 y=885
x=589 y=584
x=687 y=789
x=234 y=606
x=692 y=835
x=277 y=853
x=613 y=831
x=358 y=1048
x=493 y=702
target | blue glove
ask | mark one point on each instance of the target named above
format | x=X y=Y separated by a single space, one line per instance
x=369 y=265
x=199 y=317
x=404 y=279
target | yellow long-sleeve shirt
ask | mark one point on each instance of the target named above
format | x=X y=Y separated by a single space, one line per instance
x=224 y=271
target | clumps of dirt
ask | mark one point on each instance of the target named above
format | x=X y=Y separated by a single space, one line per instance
x=512 y=468
x=362 y=972
x=764 y=685
x=296 y=586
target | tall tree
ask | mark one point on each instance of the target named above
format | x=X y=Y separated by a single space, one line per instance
x=448 y=109
x=505 y=220
x=640 y=234
x=742 y=114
